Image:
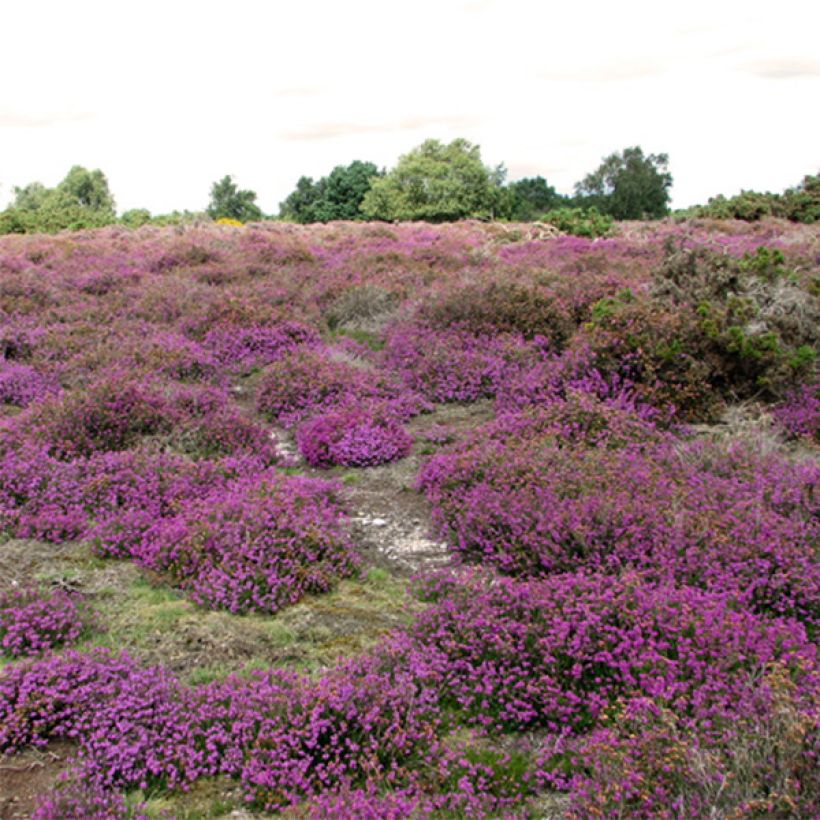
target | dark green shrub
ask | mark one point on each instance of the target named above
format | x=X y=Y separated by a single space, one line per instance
x=588 y=222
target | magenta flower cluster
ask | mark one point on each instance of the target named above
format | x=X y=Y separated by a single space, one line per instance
x=728 y=520
x=34 y=621
x=257 y=545
x=309 y=381
x=21 y=385
x=799 y=413
x=355 y=436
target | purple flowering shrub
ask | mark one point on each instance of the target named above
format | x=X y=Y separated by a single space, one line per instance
x=208 y=425
x=645 y=762
x=698 y=514
x=355 y=436
x=799 y=412
x=258 y=545
x=257 y=345
x=111 y=414
x=136 y=727
x=173 y=355
x=34 y=621
x=309 y=381
x=362 y=723
x=109 y=498
x=76 y=799
x=556 y=653
x=501 y=307
x=22 y=385
x=455 y=365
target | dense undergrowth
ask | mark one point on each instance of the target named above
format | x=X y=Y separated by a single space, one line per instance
x=630 y=615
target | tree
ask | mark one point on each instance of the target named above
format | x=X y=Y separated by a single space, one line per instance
x=628 y=185
x=81 y=200
x=88 y=189
x=436 y=183
x=336 y=196
x=228 y=202
x=300 y=206
x=531 y=197
x=30 y=197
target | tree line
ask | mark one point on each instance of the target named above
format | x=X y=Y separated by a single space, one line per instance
x=434 y=182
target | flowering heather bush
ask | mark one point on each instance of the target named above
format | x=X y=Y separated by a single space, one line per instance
x=171 y=354
x=578 y=417
x=137 y=728
x=501 y=307
x=702 y=515
x=354 y=435
x=799 y=413
x=257 y=345
x=108 y=497
x=256 y=546
x=557 y=653
x=208 y=425
x=32 y=622
x=362 y=723
x=80 y=800
x=22 y=385
x=644 y=763
x=112 y=414
x=455 y=365
x=308 y=381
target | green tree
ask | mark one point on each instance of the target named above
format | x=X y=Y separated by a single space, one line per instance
x=336 y=196
x=88 y=189
x=437 y=183
x=228 y=202
x=300 y=206
x=531 y=197
x=81 y=200
x=628 y=185
x=30 y=197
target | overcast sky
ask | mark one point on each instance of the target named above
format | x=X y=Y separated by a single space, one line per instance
x=166 y=97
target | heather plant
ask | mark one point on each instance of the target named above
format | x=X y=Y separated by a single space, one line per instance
x=209 y=426
x=799 y=412
x=364 y=723
x=137 y=727
x=723 y=520
x=456 y=365
x=170 y=354
x=501 y=307
x=309 y=381
x=260 y=544
x=644 y=762
x=557 y=653
x=33 y=621
x=21 y=385
x=109 y=498
x=257 y=345
x=111 y=414
x=305 y=381
x=354 y=436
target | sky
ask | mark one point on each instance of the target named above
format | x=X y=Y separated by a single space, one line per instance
x=167 y=97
